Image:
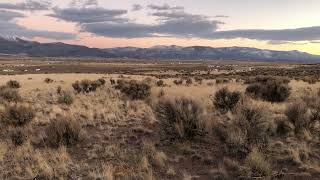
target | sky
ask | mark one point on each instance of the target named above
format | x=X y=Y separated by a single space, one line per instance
x=265 y=24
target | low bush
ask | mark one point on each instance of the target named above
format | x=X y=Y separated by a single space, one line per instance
x=65 y=98
x=13 y=84
x=112 y=81
x=9 y=94
x=18 y=115
x=59 y=90
x=255 y=123
x=270 y=90
x=188 y=81
x=135 y=90
x=180 y=116
x=87 y=86
x=297 y=114
x=101 y=82
x=222 y=81
x=225 y=101
x=178 y=82
x=63 y=131
x=160 y=83
x=48 y=80
x=18 y=136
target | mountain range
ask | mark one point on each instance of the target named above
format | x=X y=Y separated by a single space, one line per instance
x=20 y=47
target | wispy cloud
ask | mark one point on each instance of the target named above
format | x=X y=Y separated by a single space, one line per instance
x=31 y=5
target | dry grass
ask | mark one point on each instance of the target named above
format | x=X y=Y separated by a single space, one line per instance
x=102 y=135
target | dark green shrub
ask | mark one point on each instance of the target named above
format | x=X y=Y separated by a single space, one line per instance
x=134 y=90
x=180 y=117
x=225 y=101
x=87 y=86
x=18 y=115
x=13 y=84
x=63 y=131
x=270 y=90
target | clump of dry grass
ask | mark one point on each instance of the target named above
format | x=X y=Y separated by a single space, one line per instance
x=17 y=114
x=225 y=101
x=13 y=84
x=63 y=131
x=180 y=116
x=258 y=165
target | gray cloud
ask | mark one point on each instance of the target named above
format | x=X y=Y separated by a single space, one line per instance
x=186 y=26
x=89 y=15
x=299 y=34
x=9 y=15
x=136 y=7
x=83 y=3
x=221 y=16
x=164 y=7
x=31 y=5
x=173 y=22
x=10 y=28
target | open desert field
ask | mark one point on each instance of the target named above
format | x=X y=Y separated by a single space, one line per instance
x=204 y=121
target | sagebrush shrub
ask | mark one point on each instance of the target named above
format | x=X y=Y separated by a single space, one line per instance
x=188 y=81
x=225 y=101
x=87 y=86
x=63 y=131
x=18 y=115
x=13 y=84
x=297 y=114
x=178 y=82
x=135 y=90
x=101 y=82
x=254 y=122
x=65 y=98
x=160 y=83
x=180 y=116
x=272 y=90
x=48 y=80
x=18 y=136
x=112 y=81
x=9 y=94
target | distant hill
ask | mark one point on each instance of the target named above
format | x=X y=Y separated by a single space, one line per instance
x=17 y=46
